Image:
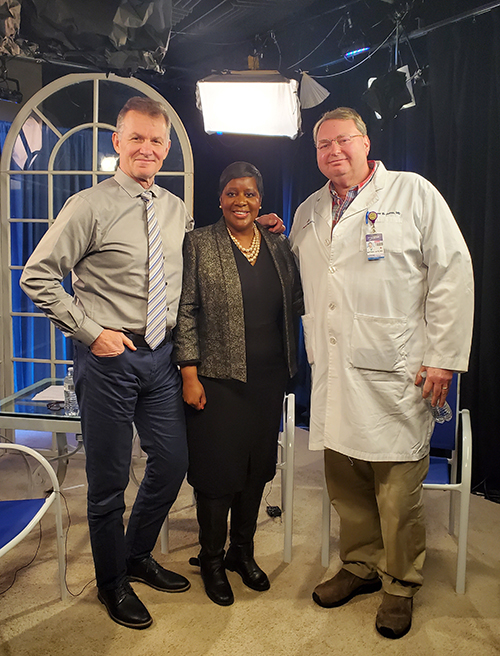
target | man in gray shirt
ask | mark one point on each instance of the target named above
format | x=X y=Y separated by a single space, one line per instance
x=106 y=236
x=101 y=234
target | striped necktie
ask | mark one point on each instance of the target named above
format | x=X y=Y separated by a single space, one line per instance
x=157 y=295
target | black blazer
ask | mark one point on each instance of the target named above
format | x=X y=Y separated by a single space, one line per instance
x=210 y=329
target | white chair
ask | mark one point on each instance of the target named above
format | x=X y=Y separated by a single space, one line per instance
x=19 y=516
x=286 y=463
x=451 y=473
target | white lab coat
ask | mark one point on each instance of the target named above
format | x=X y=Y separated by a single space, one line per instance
x=370 y=325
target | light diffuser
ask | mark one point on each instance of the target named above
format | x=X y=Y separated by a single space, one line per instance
x=250 y=102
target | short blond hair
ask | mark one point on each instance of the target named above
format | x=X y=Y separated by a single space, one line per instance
x=143 y=105
x=341 y=114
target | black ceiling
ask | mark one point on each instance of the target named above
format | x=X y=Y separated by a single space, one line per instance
x=183 y=40
x=215 y=35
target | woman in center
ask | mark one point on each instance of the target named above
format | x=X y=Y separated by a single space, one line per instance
x=235 y=342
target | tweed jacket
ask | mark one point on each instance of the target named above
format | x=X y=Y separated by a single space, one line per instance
x=210 y=329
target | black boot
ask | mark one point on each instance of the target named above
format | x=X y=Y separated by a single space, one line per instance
x=239 y=557
x=215 y=580
x=212 y=518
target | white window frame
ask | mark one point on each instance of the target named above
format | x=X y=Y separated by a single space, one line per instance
x=33 y=106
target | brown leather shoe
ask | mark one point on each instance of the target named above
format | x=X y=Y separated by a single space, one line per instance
x=394 y=616
x=342 y=588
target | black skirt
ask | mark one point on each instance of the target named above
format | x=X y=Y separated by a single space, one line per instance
x=233 y=441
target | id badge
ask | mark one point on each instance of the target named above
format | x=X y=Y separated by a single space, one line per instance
x=375 y=246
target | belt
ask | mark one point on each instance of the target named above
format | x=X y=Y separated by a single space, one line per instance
x=140 y=342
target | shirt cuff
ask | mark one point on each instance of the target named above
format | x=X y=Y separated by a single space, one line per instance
x=88 y=332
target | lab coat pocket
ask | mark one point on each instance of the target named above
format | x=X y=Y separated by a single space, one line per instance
x=308 y=326
x=378 y=343
x=390 y=225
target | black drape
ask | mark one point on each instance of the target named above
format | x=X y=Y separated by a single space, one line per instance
x=451 y=137
x=465 y=113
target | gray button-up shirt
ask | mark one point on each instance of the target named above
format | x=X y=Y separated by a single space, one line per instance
x=101 y=235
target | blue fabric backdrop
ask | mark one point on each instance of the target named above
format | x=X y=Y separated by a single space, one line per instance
x=29 y=200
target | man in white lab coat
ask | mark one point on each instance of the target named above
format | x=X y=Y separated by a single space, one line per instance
x=388 y=291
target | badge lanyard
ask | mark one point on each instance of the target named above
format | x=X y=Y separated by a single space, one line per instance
x=374 y=240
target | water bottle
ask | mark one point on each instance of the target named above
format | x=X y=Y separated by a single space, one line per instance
x=70 y=401
x=440 y=414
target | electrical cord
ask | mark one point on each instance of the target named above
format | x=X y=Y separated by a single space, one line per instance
x=489 y=495
x=370 y=54
x=399 y=23
x=19 y=569
x=73 y=594
x=65 y=456
x=16 y=572
x=272 y=511
x=318 y=46
x=40 y=532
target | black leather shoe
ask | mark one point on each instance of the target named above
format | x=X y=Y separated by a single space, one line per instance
x=245 y=565
x=214 y=577
x=148 y=571
x=125 y=607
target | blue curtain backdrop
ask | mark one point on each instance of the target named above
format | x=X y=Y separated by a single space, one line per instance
x=29 y=200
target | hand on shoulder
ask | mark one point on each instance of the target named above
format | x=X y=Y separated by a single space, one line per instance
x=272 y=222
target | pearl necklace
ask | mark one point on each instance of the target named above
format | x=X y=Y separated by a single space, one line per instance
x=252 y=252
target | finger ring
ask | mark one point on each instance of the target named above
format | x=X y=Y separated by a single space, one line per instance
x=445 y=388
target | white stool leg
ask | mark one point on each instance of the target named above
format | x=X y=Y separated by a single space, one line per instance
x=164 y=537
x=325 y=529
x=287 y=474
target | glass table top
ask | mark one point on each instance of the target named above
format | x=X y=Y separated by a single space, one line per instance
x=22 y=404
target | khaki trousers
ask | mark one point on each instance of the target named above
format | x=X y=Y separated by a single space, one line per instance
x=382 y=530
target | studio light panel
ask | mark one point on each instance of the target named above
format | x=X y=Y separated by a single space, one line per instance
x=243 y=102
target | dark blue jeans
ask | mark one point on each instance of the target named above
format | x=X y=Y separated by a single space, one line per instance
x=141 y=387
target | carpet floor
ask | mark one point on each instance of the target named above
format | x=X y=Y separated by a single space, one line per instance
x=281 y=621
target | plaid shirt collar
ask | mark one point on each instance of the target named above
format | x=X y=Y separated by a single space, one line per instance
x=339 y=205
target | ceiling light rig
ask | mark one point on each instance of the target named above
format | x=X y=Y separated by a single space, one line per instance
x=353 y=41
x=389 y=93
x=7 y=93
x=252 y=102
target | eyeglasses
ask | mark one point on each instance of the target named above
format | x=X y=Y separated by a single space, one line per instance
x=341 y=141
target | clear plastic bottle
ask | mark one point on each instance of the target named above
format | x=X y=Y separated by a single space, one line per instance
x=440 y=414
x=70 y=401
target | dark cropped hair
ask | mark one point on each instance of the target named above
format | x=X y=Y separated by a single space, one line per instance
x=240 y=170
